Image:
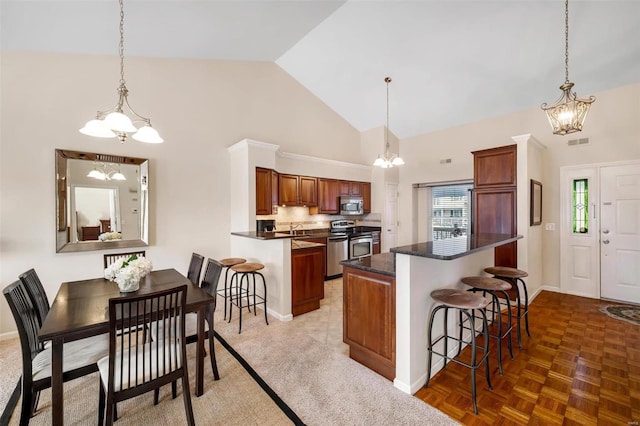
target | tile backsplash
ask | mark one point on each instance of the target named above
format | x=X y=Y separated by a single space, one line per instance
x=300 y=216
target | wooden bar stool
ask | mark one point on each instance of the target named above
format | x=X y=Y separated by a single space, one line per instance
x=515 y=276
x=494 y=287
x=227 y=264
x=466 y=303
x=238 y=292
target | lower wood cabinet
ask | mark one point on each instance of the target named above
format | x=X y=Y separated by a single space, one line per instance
x=495 y=212
x=369 y=325
x=307 y=279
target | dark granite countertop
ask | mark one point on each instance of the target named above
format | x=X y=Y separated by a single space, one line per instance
x=384 y=264
x=453 y=248
x=263 y=235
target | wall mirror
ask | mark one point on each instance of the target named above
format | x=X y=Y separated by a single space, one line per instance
x=102 y=201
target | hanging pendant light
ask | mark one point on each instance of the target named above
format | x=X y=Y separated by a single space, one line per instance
x=388 y=160
x=569 y=112
x=114 y=123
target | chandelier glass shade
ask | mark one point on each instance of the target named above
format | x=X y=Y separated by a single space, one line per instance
x=114 y=122
x=567 y=115
x=388 y=159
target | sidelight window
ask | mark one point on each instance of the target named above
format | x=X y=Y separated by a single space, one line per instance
x=580 y=206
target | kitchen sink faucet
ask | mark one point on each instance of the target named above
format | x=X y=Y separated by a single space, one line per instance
x=292 y=227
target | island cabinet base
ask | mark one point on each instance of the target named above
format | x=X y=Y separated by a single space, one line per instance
x=369 y=326
x=307 y=279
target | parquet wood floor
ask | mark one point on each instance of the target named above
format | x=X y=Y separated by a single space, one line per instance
x=579 y=367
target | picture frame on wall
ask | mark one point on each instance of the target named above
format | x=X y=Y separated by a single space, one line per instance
x=535 y=203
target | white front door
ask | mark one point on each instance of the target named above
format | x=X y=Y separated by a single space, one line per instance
x=620 y=232
x=579 y=254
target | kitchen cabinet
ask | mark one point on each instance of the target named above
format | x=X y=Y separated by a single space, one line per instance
x=328 y=196
x=307 y=279
x=294 y=190
x=494 y=198
x=266 y=191
x=369 y=319
x=347 y=188
x=318 y=240
x=495 y=167
x=366 y=196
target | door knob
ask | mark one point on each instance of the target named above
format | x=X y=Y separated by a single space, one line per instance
x=605 y=231
x=605 y=241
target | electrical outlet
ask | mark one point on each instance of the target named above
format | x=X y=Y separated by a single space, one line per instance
x=549 y=226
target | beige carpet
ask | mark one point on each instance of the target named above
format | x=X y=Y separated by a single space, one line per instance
x=318 y=382
x=235 y=399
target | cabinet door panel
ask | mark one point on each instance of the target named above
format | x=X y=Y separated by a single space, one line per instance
x=495 y=167
x=327 y=196
x=266 y=191
x=308 y=191
x=366 y=196
x=355 y=188
x=307 y=279
x=495 y=213
x=288 y=190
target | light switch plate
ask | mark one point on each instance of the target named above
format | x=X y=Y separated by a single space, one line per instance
x=549 y=226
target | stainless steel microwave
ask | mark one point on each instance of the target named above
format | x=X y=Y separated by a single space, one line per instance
x=351 y=206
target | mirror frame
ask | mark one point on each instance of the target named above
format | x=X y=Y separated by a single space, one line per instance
x=62 y=155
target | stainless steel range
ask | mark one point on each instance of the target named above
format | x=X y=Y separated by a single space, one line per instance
x=360 y=243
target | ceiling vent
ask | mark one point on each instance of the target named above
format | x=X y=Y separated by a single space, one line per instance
x=576 y=142
x=445 y=161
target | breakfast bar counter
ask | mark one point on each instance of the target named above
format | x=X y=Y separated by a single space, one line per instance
x=420 y=269
x=387 y=301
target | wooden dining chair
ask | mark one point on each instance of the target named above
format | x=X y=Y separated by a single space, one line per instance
x=112 y=257
x=195 y=268
x=136 y=366
x=35 y=290
x=80 y=357
x=209 y=283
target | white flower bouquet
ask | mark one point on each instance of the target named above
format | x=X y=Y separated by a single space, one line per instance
x=110 y=236
x=128 y=272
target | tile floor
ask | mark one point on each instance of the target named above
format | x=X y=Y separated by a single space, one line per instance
x=325 y=324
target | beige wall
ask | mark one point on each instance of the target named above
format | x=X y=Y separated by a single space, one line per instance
x=199 y=107
x=611 y=126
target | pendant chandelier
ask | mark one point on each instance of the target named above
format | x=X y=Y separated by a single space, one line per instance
x=113 y=122
x=569 y=112
x=388 y=159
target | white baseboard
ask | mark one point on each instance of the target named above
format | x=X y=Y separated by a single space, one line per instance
x=9 y=335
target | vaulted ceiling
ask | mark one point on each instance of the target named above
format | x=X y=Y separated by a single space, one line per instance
x=451 y=62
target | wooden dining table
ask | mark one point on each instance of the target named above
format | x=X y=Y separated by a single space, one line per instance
x=81 y=309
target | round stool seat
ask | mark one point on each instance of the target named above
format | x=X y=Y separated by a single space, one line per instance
x=503 y=271
x=459 y=298
x=231 y=261
x=486 y=283
x=247 y=267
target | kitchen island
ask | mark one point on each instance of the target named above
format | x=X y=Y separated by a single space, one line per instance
x=406 y=303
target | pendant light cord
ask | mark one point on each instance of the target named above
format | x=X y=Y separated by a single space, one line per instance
x=121 y=51
x=386 y=132
x=566 y=41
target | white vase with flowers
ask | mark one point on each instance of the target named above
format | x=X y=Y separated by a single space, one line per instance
x=128 y=272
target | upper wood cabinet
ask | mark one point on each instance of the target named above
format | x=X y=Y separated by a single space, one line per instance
x=346 y=187
x=495 y=167
x=266 y=191
x=366 y=196
x=328 y=196
x=297 y=190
